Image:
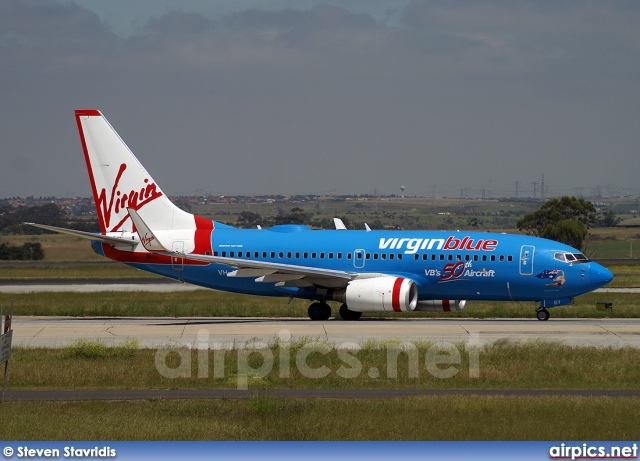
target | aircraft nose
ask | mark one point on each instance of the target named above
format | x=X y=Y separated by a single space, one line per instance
x=599 y=275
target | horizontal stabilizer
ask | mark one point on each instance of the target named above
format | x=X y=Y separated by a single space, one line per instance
x=111 y=240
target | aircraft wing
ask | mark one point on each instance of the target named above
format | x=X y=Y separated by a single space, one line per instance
x=281 y=274
x=262 y=271
x=111 y=240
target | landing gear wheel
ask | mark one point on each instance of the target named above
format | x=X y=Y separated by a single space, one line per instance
x=319 y=311
x=542 y=314
x=347 y=314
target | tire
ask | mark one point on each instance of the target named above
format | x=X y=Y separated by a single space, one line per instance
x=542 y=315
x=319 y=311
x=347 y=314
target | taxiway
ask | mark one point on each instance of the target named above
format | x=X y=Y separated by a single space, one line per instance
x=212 y=333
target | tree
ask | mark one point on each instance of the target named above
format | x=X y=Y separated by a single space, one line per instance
x=29 y=251
x=249 y=219
x=609 y=219
x=297 y=216
x=565 y=220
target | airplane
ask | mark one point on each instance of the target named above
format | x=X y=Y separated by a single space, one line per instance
x=366 y=270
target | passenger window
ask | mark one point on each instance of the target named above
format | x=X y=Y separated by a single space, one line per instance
x=375 y=256
x=330 y=255
x=339 y=255
x=322 y=255
x=367 y=256
x=399 y=256
x=297 y=255
x=280 y=254
x=501 y=258
x=391 y=256
x=416 y=257
x=509 y=258
x=313 y=255
x=484 y=257
x=273 y=254
x=215 y=253
x=493 y=257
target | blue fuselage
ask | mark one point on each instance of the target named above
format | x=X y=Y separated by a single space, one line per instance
x=443 y=264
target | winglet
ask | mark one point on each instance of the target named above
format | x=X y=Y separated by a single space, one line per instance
x=147 y=237
x=339 y=224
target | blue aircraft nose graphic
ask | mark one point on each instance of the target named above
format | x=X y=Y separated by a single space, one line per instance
x=599 y=276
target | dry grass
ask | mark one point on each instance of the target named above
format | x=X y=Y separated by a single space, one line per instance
x=265 y=418
x=88 y=365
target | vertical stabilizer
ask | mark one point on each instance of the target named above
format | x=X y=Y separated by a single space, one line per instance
x=119 y=181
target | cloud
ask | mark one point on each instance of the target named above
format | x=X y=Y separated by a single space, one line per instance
x=456 y=94
x=179 y=23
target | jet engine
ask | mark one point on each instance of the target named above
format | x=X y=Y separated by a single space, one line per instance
x=441 y=305
x=379 y=294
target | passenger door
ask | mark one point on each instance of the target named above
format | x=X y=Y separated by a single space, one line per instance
x=526 y=259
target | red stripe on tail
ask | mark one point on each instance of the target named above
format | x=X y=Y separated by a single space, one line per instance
x=202 y=237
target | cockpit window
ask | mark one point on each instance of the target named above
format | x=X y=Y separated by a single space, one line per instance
x=559 y=257
x=570 y=257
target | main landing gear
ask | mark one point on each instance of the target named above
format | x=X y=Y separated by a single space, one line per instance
x=322 y=311
x=319 y=311
x=542 y=314
x=347 y=314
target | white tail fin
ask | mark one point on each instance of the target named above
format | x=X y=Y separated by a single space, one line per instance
x=119 y=181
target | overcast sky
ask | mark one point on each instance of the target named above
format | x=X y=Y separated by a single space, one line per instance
x=250 y=97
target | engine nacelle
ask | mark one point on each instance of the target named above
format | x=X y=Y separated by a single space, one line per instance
x=381 y=294
x=441 y=305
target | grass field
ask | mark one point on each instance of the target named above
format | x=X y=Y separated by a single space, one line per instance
x=536 y=365
x=265 y=418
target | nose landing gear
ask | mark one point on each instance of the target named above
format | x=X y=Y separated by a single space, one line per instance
x=542 y=314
